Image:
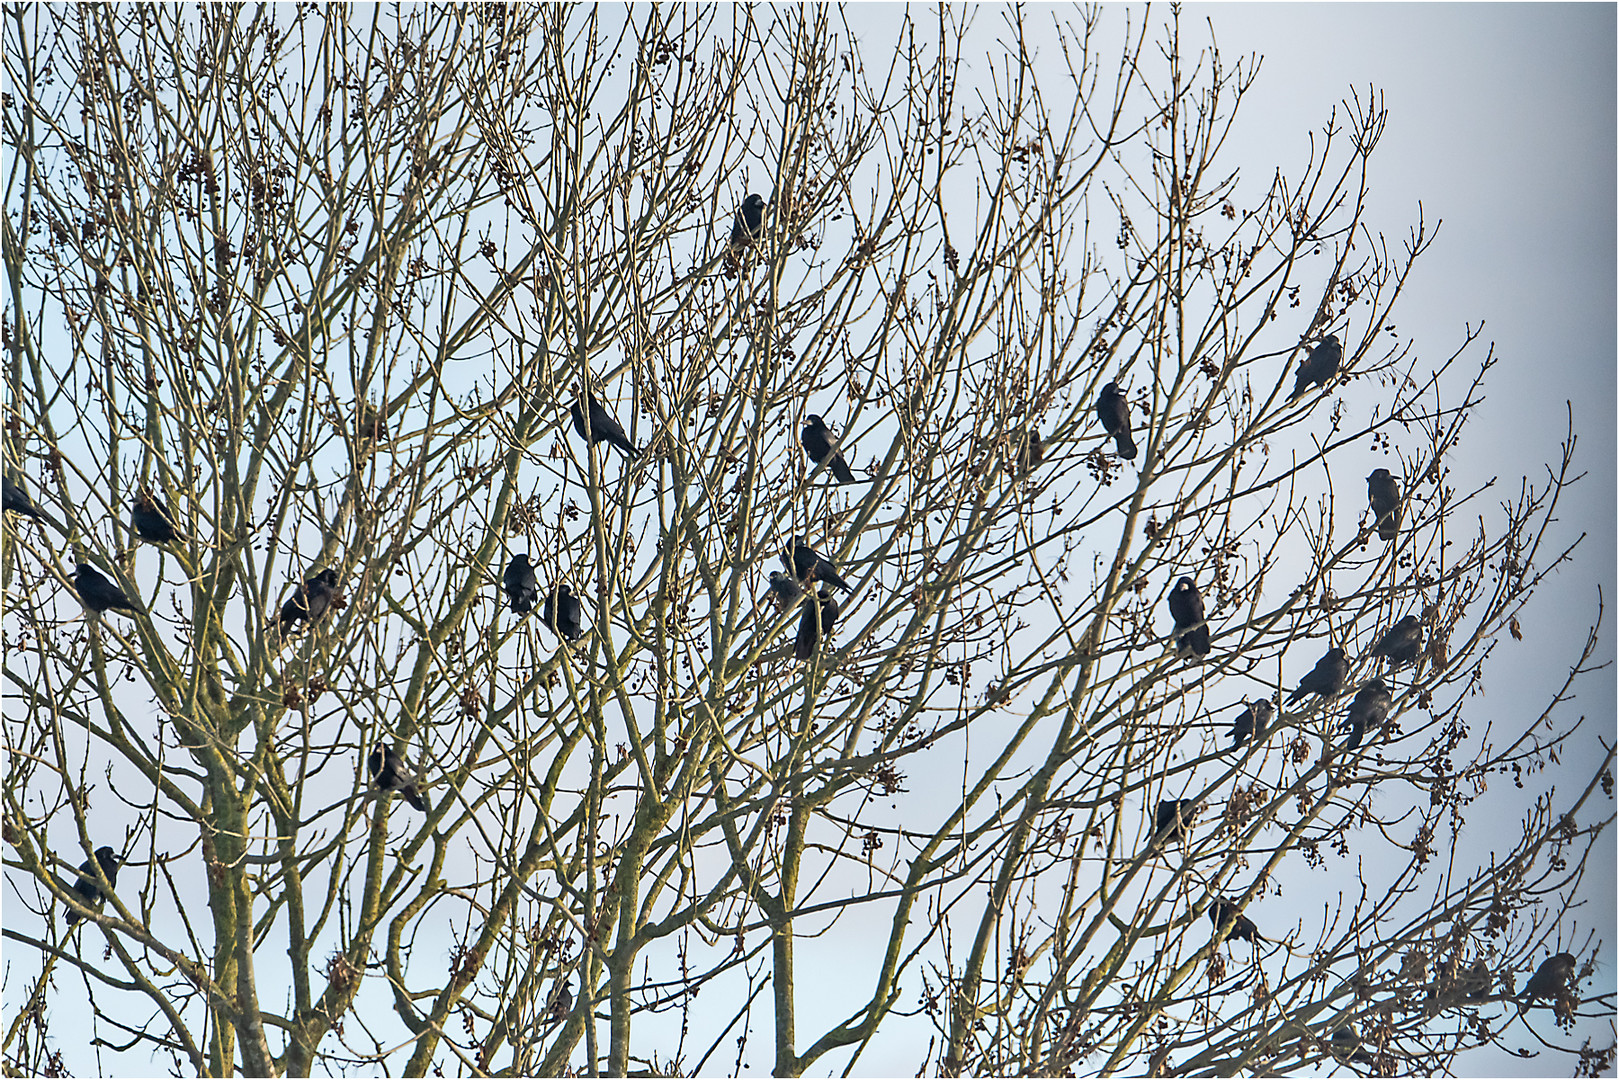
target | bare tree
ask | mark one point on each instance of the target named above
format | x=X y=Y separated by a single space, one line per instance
x=330 y=286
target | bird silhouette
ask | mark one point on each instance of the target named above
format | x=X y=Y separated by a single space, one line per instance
x=602 y=427
x=310 y=601
x=563 y=613
x=521 y=586
x=748 y=227
x=820 y=613
x=1551 y=978
x=86 y=886
x=1402 y=644
x=1114 y=412
x=1252 y=722
x=16 y=499
x=390 y=773
x=807 y=564
x=1226 y=915
x=1383 y=491
x=99 y=594
x=822 y=447
x=1369 y=709
x=784 y=590
x=1172 y=819
x=1191 y=629
x=1320 y=367
x=152 y=520
x=1326 y=679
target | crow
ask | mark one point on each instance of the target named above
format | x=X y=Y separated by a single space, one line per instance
x=521 y=586
x=390 y=773
x=749 y=226
x=1346 y=1046
x=1114 y=412
x=1551 y=978
x=822 y=447
x=1326 y=679
x=99 y=594
x=1384 y=492
x=784 y=590
x=1172 y=819
x=86 y=886
x=1402 y=643
x=807 y=564
x=1252 y=722
x=559 y=1004
x=310 y=601
x=1186 y=608
x=820 y=613
x=152 y=520
x=1227 y=916
x=603 y=428
x=562 y=613
x=1320 y=367
x=16 y=499
x=1369 y=709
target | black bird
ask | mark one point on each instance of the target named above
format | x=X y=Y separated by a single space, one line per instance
x=1384 y=492
x=1320 y=367
x=560 y=1004
x=1172 y=819
x=522 y=587
x=1402 y=643
x=152 y=520
x=562 y=613
x=811 y=629
x=99 y=594
x=310 y=601
x=1369 y=709
x=1252 y=722
x=822 y=447
x=1030 y=453
x=603 y=428
x=784 y=590
x=749 y=225
x=1346 y=1046
x=1114 y=413
x=807 y=564
x=1186 y=608
x=390 y=773
x=1226 y=915
x=16 y=498
x=1551 y=978
x=86 y=886
x=1326 y=679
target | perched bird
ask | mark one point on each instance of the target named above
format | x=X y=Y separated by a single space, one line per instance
x=1114 y=412
x=749 y=225
x=1475 y=983
x=822 y=447
x=1172 y=819
x=560 y=1003
x=1252 y=722
x=1402 y=643
x=562 y=613
x=86 y=886
x=16 y=498
x=1326 y=679
x=99 y=594
x=784 y=590
x=603 y=428
x=521 y=586
x=820 y=613
x=1186 y=608
x=1384 y=492
x=1369 y=709
x=1030 y=453
x=1346 y=1046
x=1320 y=367
x=310 y=601
x=1227 y=916
x=1551 y=978
x=152 y=520
x=807 y=564
x=390 y=773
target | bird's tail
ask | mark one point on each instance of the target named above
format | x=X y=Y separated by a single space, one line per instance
x=414 y=797
x=841 y=470
x=1126 y=446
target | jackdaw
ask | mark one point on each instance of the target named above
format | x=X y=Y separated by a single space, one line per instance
x=1226 y=915
x=521 y=586
x=1346 y=1046
x=784 y=590
x=1326 y=679
x=1114 y=412
x=822 y=447
x=1252 y=722
x=1369 y=709
x=152 y=520
x=807 y=564
x=812 y=629
x=1186 y=608
x=99 y=594
x=390 y=773
x=1402 y=643
x=1384 y=492
x=603 y=428
x=16 y=498
x=562 y=613
x=1172 y=819
x=1551 y=978
x=1320 y=367
x=310 y=601
x=749 y=224
x=86 y=886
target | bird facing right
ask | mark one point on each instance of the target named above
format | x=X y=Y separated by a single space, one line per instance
x=152 y=520
x=1320 y=367
x=822 y=447
x=749 y=225
x=522 y=588
x=16 y=499
x=563 y=613
x=86 y=886
x=1191 y=628
x=310 y=601
x=1383 y=491
x=1114 y=412
x=1551 y=978
x=1252 y=722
